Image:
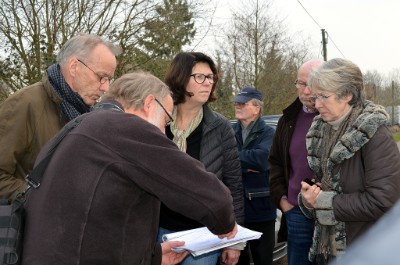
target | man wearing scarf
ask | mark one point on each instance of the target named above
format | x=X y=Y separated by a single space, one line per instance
x=31 y=116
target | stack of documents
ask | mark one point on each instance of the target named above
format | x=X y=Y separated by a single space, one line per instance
x=200 y=240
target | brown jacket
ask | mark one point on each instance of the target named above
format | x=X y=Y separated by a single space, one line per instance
x=99 y=200
x=363 y=169
x=28 y=119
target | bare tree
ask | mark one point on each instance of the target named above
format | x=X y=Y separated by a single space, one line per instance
x=258 y=52
x=4 y=91
x=373 y=83
x=32 y=31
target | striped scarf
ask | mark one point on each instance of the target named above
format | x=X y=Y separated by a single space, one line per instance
x=72 y=104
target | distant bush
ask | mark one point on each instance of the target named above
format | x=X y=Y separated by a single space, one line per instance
x=396 y=136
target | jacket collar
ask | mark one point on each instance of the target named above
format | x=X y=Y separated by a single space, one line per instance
x=257 y=128
x=293 y=109
x=372 y=117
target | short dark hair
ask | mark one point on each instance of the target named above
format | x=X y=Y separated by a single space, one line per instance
x=178 y=74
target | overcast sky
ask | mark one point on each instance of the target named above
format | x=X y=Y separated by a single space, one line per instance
x=366 y=32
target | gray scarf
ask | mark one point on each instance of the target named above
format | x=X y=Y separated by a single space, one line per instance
x=326 y=149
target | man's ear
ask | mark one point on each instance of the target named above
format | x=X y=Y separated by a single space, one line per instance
x=149 y=106
x=72 y=66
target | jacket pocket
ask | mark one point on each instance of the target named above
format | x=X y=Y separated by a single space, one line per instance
x=256 y=192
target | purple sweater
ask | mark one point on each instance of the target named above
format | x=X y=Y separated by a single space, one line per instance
x=298 y=156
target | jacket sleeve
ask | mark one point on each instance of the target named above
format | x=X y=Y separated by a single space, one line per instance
x=232 y=172
x=14 y=142
x=256 y=157
x=277 y=182
x=181 y=182
x=156 y=257
x=380 y=178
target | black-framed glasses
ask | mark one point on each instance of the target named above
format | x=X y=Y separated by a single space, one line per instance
x=102 y=79
x=300 y=84
x=321 y=98
x=166 y=112
x=200 y=78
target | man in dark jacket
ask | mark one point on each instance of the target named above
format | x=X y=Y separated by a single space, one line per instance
x=254 y=139
x=289 y=166
x=33 y=115
x=99 y=200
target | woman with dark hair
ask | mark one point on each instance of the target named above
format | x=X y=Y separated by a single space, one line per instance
x=355 y=161
x=205 y=135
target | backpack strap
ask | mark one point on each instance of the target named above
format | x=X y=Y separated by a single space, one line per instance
x=34 y=178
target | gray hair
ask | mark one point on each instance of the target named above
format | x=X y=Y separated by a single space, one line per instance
x=132 y=89
x=259 y=103
x=339 y=76
x=82 y=45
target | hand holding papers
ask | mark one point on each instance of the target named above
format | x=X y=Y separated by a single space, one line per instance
x=231 y=234
x=200 y=240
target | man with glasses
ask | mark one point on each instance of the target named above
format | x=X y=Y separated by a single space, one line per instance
x=289 y=166
x=31 y=116
x=100 y=195
x=254 y=139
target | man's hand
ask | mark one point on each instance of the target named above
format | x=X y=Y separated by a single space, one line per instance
x=231 y=234
x=170 y=257
x=230 y=256
x=285 y=205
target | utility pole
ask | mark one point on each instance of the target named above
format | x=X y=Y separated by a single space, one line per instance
x=324 y=42
x=392 y=102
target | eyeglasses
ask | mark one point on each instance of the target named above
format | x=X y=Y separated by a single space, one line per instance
x=102 y=79
x=166 y=112
x=200 y=78
x=243 y=104
x=321 y=98
x=300 y=84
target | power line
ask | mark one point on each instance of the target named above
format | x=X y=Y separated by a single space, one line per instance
x=335 y=45
x=321 y=28
x=309 y=14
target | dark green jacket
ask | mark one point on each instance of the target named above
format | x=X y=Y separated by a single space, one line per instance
x=29 y=118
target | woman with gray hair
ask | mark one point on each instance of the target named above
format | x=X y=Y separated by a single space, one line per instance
x=355 y=161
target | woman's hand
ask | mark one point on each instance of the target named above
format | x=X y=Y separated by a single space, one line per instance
x=310 y=194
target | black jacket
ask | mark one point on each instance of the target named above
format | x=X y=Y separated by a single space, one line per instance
x=279 y=159
x=219 y=155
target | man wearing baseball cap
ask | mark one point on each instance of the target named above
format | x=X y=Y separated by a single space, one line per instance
x=254 y=139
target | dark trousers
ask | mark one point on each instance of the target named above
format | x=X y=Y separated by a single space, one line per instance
x=261 y=249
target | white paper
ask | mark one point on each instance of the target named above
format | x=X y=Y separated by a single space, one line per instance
x=200 y=240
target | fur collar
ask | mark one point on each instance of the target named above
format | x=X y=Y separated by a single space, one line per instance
x=372 y=117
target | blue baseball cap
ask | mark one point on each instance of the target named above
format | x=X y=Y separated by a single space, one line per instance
x=247 y=94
